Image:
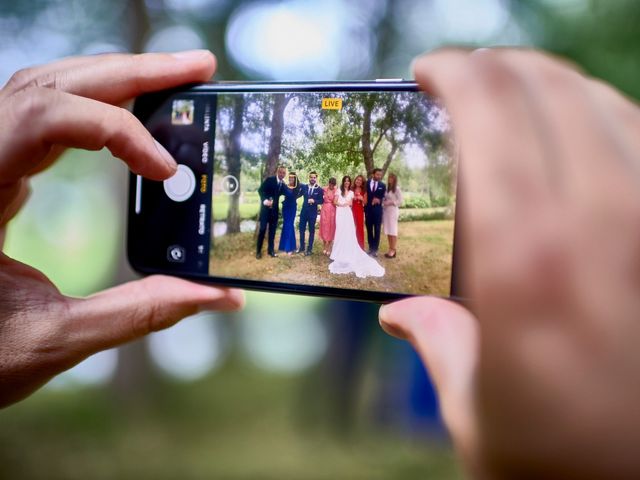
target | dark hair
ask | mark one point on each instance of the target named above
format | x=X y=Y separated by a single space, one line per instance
x=344 y=179
x=333 y=181
x=364 y=182
x=392 y=186
x=313 y=172
x=373 y=172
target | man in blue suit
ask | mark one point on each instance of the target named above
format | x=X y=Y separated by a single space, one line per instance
x=313 y=195
x=373 y=210
x=270 y=191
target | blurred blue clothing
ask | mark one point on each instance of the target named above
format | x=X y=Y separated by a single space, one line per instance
x=289 y=208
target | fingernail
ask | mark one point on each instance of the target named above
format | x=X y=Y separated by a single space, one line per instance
x=480 y=51
x=166 y=156
x=191 y=55
x=233 y=300
x=385 y=316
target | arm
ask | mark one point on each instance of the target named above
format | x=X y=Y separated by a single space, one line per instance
x=262 y=190
x=269 y=192
x=382 y=192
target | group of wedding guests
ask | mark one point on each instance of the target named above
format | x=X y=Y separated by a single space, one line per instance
x=346 y=211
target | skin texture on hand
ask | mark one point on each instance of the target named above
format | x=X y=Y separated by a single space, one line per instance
x=542 y=378
x=74 y=103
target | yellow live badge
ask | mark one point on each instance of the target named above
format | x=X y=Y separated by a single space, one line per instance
x=332 y=104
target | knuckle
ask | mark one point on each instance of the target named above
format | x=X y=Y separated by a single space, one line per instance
x=558 y=79
x=29 y=77
x=20 y=79
x=495 y=72
x=147 y=316
x=29 y=104
x=127 y=126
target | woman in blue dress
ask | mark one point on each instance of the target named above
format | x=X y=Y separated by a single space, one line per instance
x=289 y=207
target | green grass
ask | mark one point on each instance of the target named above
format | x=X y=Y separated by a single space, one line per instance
x=422 y=266
x=249 y=206
x=239 y=423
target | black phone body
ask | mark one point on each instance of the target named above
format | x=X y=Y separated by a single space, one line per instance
x=214 y=221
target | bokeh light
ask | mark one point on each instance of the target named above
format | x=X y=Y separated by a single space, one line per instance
x=298 y=40
x=190 y=349
x=285 y=336
x=174 y=39
x=96 y=370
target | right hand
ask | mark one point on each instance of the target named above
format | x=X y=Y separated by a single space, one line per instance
x=541 y=378
x=268 y=203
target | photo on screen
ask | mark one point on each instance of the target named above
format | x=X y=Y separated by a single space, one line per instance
x=352 y=190
x=182 y=112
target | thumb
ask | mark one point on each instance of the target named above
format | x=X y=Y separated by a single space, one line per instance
x=445 y=336
x=134 y=309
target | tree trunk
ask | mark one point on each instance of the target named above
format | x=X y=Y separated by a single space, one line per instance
x=390 y=156
x=275 y=141
x=233 y=164
x=367 y=151
x=135 y=378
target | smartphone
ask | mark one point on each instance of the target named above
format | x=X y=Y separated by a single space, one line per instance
x=334 y=189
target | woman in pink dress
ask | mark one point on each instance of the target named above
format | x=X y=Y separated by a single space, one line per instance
x=357 y=207
x=328 y=217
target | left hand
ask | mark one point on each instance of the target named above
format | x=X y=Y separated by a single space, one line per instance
x=73 y=103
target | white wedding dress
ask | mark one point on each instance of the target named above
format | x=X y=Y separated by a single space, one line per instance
x=346 y=254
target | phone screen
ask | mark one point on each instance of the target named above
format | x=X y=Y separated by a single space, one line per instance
x=330 y=191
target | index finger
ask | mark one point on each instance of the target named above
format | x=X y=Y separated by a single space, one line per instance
x=497 y=131
x=117 y=77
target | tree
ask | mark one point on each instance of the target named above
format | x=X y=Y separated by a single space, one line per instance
x=277 y=128
x=371 y=130
x=233 y=150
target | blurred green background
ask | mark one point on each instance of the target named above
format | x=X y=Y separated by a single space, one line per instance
x=292 y=387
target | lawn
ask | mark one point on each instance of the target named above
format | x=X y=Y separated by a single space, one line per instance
x=236 y=424
x=422 y=266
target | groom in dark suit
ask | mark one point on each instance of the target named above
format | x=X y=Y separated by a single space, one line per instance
x=313 y=195
x=373 y=210
x=270 y=191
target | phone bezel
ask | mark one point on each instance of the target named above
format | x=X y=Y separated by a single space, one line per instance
x=146 y=104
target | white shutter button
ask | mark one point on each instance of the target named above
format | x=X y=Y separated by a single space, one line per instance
x=182 y=185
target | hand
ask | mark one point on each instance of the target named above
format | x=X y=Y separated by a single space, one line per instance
x=540 y=379
x=311 y=201
x=375 y=201
x=71 y=103
x=268 y=203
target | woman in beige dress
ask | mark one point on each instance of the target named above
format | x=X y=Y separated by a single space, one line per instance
x=390 y=212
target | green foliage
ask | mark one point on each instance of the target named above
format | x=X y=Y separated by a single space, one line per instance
x=426 y=214
x=415 y=201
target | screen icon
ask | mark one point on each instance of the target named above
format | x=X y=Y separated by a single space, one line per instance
x=332 y=104
x=230 y=184
x=182 y=112
x=176 y=254
x=181 y=185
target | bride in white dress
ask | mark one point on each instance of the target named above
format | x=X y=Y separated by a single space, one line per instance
x=346 y=254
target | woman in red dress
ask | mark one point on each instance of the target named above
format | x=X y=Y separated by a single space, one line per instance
x=328 y=216
x=357 y=207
